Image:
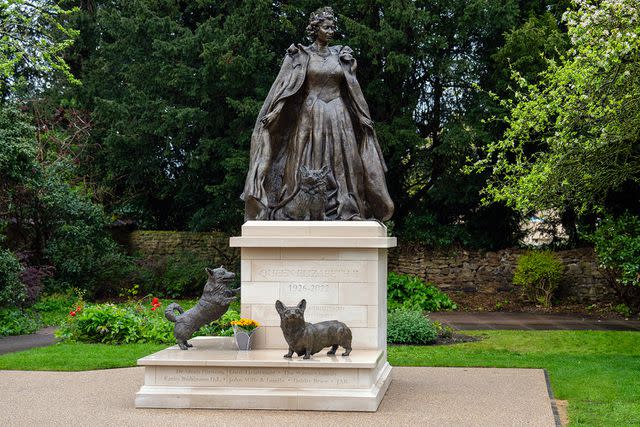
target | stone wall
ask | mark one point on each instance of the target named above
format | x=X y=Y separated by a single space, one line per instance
x=492 y=272
x=164 y=244
x=452 y=271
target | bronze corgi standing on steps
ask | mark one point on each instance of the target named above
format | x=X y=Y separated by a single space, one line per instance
x=213 y=303
x=309 y=338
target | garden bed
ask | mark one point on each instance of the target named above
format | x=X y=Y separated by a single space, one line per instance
x=512 y=302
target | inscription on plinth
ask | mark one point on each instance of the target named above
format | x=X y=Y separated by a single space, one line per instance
x=191 y=376
x=309 y=271
x=257 y=377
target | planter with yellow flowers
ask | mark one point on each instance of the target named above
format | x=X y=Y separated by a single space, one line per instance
x=243 y=331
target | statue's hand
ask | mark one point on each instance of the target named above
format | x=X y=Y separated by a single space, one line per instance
x=366 y=122
x=269 y=119
x=346 y=54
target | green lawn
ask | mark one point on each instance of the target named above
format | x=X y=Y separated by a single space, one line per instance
x=78 y=357
x=597 y=372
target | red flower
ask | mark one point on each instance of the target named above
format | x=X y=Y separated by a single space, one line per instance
x=72 y=313
x=79 y=308
x=153 y=308
x=155 y=301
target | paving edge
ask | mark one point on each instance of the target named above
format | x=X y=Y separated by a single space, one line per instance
x=554 y=407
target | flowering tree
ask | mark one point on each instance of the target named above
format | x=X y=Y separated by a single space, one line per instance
x=573 y=136
x=33 y=37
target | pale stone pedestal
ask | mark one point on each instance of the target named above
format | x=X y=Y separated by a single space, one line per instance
x=213 y=374
x=340 y=268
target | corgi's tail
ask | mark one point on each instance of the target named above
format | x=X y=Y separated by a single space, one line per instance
x=170 y=312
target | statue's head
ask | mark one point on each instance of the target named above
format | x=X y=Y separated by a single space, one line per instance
x=321 y=24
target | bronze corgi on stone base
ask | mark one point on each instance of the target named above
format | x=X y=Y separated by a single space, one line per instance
x=213 y=303
x=309 y=338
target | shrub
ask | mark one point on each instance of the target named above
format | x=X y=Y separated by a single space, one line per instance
x=14 y=321
x=53 y=309
x=411 y=292
x=32 y=276
x=410 y=327
x=12 y=291
x=80 y=248
x=538 y=273
x=138 y=322
x=617 y=246
x=104 y=323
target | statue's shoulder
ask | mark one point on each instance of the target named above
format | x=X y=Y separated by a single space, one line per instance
x=297 y=49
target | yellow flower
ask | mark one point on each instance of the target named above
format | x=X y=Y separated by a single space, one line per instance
x=246 y=323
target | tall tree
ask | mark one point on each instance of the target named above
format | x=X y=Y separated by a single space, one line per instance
x=573 y=137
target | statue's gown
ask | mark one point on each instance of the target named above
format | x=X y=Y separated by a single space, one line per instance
x=324 y=135
x=316 y=128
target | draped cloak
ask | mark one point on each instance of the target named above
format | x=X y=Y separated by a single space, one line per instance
x=263 y=190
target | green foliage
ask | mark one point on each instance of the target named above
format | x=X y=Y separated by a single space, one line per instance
x=133 y=322
x=528 y=49
x=79 y=246
x=57 y=219
x=410 y=292
x=623 y=309
x=573 y=132
x=410 y=327
x=102 y=323
x=538 y=273
x=184 y=275
x=617 y=245
x=221 y=327
x=34 y=38
x=14 y=321
x=18 y=150
x=53 y=309
x=12 y=291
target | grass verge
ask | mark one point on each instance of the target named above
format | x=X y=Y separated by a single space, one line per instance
x=77 y=357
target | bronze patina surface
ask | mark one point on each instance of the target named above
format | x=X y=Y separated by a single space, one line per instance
x=315 y=118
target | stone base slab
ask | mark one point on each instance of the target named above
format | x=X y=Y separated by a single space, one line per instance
x=214 y=375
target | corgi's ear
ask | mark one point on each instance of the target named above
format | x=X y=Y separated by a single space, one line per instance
x=209 y=271
x=302 y=305
x=280 y=307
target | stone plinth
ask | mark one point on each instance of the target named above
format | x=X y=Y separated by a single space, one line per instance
x=213 y=374
x=340 y=268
